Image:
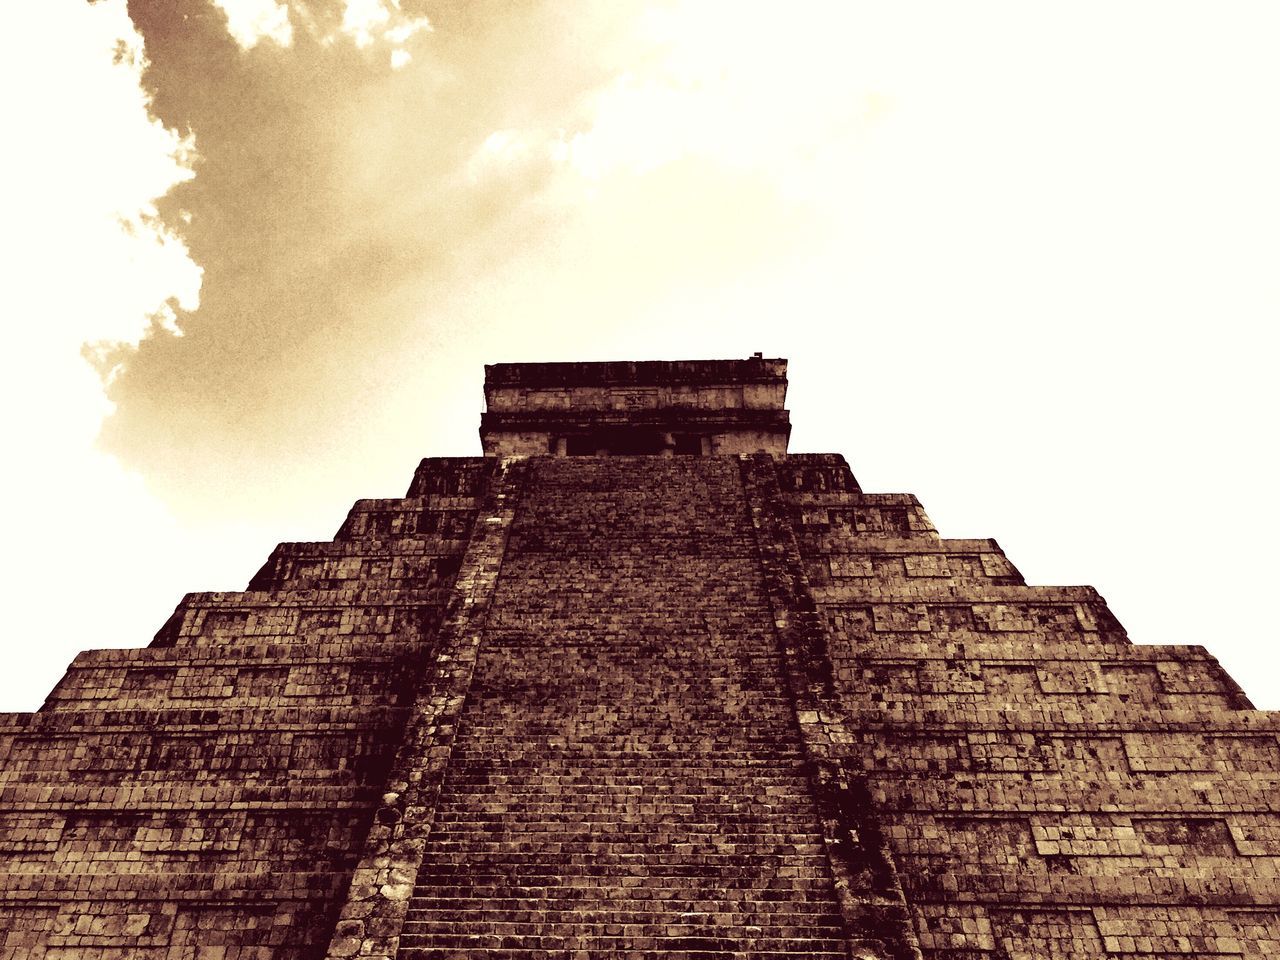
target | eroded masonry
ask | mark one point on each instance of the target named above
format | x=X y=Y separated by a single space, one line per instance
x=640 y=684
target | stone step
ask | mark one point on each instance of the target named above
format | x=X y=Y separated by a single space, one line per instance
x=597 y=781
x=621 y=745
x=594 y=791
x=468 y=855
x=660 y=951
x=592 y=787
x=712 y=882
x=667 y=945
x=732 y=818
x=629 y=905
x=575 y=838
x=711 y=876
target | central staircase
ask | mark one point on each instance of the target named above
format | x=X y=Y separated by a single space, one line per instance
x=627 y=778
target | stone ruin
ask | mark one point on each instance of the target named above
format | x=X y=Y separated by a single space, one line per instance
x=640 y=684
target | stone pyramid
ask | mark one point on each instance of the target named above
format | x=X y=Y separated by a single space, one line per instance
x=639 y=684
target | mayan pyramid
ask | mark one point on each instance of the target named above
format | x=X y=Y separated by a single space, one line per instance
x=639 y=684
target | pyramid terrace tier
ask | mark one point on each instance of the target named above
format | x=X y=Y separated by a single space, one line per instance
x=212 y=749
x=444 y=518
x=332 y=565
x=358 y=611
x=334 y=674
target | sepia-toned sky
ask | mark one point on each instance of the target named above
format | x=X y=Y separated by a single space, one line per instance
x=1022 y=257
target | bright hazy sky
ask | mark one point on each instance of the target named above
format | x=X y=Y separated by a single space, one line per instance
x=1022 y=257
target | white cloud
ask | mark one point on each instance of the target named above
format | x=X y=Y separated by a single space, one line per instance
x=80 y=210
x=92 y=560
x=249 y=21
x=507 y=152
x=364 y=22
x=363 y=19
x=405 y=28
x=367 y=21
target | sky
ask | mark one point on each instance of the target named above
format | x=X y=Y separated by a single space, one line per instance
x=1022 y=258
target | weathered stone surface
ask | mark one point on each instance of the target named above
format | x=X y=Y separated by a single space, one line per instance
x=646 y=706
x=651 y=407
x=1045 y=788
x=209 y=795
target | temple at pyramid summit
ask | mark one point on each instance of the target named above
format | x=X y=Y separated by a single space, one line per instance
x=639 y=683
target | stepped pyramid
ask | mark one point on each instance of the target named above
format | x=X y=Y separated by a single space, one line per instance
x=639 y=684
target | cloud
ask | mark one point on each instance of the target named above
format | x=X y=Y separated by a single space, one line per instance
x=367 y=22
x=82 y=192
x=91 y=263
x=249 y=21
x=363 y=19
x=363 y=22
